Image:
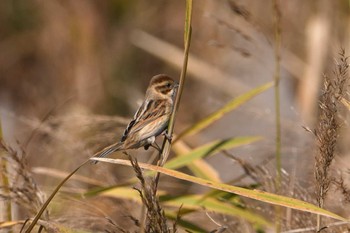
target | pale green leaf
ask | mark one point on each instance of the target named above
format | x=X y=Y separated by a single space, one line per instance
x=210 y=204
x=209 y=149
x=194 y=202
x=199 y=167
x=236 y=102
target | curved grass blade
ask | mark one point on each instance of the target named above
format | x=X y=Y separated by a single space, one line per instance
x=190 y=158
x=7 y=224
x=47 y=202
x=233 y=104
x=124 y=193
x=197 y=203
x=192 y=202
x=253 y=194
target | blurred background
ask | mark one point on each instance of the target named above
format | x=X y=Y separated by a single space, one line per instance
x=72 y=74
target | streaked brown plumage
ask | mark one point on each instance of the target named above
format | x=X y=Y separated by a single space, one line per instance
x=150 y=120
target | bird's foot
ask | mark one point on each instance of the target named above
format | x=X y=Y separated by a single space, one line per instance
x=167 y=136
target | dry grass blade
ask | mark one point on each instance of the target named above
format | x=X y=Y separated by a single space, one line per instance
x=8 y=224
x=197 y=202
x=60 y=174
x=192 y=202
x=47 y=202
x=253 y=194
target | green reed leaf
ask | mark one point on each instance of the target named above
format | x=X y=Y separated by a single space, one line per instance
x=209 y=149
x=235 y=103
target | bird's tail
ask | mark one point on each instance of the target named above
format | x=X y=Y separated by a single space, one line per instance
x=108 y=150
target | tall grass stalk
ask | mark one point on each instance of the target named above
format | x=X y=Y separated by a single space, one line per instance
x=277 y=18
x=187 y=41
x=5 y=183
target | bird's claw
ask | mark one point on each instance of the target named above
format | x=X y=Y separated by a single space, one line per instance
x=168 y=137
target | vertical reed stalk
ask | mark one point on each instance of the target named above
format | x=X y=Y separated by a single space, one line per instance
x=5 y=183
x=187 y=41
x=277 y=23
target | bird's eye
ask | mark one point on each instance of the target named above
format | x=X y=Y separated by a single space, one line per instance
x=168 y=85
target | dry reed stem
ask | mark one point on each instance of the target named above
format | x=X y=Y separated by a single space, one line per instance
x=277 y=77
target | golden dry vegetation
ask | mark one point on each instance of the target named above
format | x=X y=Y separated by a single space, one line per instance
x=72 y=74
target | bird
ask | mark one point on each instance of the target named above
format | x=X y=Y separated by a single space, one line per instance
x=150 y=120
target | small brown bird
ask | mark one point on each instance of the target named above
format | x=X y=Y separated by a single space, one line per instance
x=150 y=120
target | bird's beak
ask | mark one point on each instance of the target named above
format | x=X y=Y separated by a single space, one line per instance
x=177 y=85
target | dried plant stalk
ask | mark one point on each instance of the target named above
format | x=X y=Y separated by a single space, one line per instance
x=22 y=188
x=155 y=217
x=328 y=126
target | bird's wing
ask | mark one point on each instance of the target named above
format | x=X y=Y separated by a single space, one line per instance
x=149 y=112
x=137 y=115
